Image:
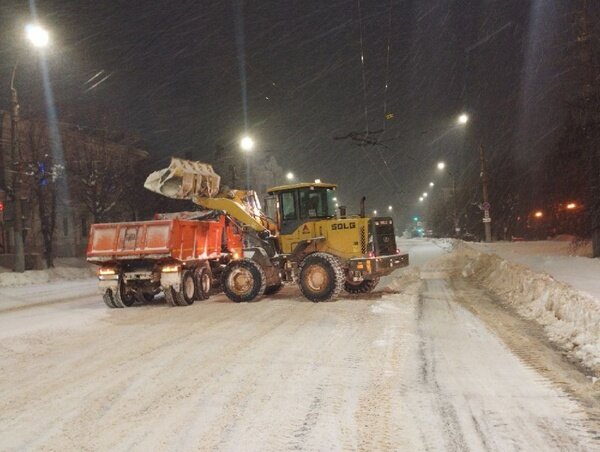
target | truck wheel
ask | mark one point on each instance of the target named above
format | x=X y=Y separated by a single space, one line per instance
x=272 y=290
x=203 y=283
x=188 y=289
x=108 y=298
x=122 y=297
x=364 y=286
x=143 y=296
x=243 y=280
x=321 y=277
x=186 y=294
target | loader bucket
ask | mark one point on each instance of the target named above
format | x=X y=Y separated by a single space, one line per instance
x=184 y=179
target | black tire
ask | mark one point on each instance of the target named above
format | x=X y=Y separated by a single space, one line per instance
x=243 y=280
x=123 y=298
x=186 y=294
x=143 y=296
x=108 y=298
x=272 y=290
x=321 y=277
x=172 y=296
x=203 y=283
x=188 y=291
x=365 y=286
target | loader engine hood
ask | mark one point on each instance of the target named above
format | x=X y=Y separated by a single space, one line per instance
x=184 y=179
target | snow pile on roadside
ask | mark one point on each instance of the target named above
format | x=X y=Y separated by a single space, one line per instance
x=43 y=276
x=570 y=318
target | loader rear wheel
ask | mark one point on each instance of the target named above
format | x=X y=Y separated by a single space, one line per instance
x=243 y=280
x=203 y=283
x=321 y=277
x=364 y=286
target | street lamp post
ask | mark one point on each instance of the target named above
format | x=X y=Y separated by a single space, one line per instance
x=15 y=188
x=442 y=166
x=487 y=220
x=38 y=37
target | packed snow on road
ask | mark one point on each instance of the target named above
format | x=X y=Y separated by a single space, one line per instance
x=438 y=358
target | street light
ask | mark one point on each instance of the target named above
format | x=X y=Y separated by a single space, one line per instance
x=421 y=199
x=247 y=143
x=38 y=37
x=463 y=119
x=290 y=176
x=441 y=165
x=390 y=208
x=375 y=212
x=425 y=195
x=431 y=184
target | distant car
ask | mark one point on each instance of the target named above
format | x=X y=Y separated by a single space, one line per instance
x=469 y=237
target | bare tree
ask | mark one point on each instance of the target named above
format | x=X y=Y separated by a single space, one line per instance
x=43 y=173
x=98 y=179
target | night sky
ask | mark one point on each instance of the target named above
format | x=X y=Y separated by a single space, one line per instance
x=172 y=72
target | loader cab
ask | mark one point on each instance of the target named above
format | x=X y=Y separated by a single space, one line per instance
x=300 y=203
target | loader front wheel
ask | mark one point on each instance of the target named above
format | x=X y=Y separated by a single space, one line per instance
x=321 y=277
x=243 y=280
x=364 y=286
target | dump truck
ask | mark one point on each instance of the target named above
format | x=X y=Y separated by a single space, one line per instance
x=300 y=237
x=181 y=255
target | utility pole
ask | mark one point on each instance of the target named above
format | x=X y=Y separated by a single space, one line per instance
x=590 y=102
x=15 y=189
x=454 y=210
x=487 y=220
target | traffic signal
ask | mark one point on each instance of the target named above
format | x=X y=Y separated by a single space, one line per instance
x=416 y=218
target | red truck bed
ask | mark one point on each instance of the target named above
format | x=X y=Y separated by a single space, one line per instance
x=177 y=239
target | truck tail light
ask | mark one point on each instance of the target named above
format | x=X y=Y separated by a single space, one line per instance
x=106 y=271
x=170 y=268
x=397 y=250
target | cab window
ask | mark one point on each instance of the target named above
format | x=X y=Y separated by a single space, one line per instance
x=316 y=203
x=288 y=206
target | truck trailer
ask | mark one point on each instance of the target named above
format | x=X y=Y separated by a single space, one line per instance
x=181 y=255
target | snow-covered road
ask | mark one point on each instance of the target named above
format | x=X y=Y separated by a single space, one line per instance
x=415 y=370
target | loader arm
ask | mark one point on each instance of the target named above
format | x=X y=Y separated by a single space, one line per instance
x=233 y=208
x=195 y=181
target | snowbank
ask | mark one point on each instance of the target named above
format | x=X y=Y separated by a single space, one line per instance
x=570 y=317
x=67 y=269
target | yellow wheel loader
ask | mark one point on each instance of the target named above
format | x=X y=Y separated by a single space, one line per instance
x=300 y=237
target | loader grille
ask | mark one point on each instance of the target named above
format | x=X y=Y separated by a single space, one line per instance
x=363 y=240
x=384 y=237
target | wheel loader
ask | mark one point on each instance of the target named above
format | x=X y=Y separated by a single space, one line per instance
x=301 y=237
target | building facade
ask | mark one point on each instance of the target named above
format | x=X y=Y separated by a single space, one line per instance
x=67 y=179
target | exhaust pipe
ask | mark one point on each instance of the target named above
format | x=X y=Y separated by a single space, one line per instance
x=362 y=206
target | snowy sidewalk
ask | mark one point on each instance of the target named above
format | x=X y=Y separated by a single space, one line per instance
x=46 y=293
